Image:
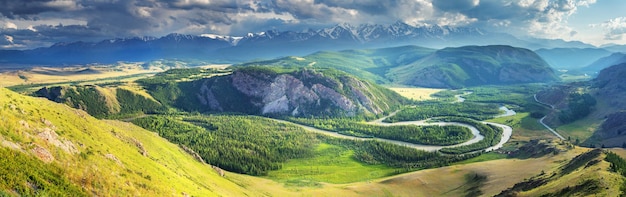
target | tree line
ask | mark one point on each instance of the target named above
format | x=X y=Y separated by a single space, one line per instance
x=492 y=134
x=425 y=110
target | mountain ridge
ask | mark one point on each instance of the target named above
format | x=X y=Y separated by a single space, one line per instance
x=266 y=44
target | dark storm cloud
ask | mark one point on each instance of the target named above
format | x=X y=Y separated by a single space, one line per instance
x=27 y=8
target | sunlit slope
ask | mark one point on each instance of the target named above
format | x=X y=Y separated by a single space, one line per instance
x=587 y=174
x=93 y=156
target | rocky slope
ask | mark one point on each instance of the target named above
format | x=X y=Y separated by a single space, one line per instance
x=474 y=65
x=304 y=92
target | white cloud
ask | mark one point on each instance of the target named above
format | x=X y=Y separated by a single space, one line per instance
x=9 y=39
x=615 y=29
x=9 y=25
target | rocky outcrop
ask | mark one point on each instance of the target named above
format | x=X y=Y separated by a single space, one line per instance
x=42 y=153
x=51 y=137
x=300 y=93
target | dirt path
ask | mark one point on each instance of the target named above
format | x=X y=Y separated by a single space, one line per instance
x=544 y=117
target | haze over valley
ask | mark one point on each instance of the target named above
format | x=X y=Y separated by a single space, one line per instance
x=312 y=98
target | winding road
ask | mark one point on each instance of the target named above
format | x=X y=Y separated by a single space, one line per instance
x=506 y=134
x=544 y=117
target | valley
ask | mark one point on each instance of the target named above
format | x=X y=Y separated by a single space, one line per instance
x=280 y=98
x=290 y=127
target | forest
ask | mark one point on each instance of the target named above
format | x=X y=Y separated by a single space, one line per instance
x=492 y=136
x=430 y=109
x=430 y=135
x=579 y=106
x=243 y=144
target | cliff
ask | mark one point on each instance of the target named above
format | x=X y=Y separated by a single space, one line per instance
x=303 y=92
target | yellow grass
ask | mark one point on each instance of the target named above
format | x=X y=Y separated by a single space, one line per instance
x=137 y=89
x=67 y=74
x=418 y=94
x=609 y=180
x=619 y=151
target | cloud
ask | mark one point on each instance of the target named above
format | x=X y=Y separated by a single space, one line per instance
x=9 y=25
x=47 y=20
x=614 y=29
x=455 y=5
x=8 y=39
x=27 y=9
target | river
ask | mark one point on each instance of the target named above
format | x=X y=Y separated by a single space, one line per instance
x=506 y=134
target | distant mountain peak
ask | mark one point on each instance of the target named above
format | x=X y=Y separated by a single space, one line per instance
x=268 y=44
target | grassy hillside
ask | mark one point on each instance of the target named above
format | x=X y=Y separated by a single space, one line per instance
x=101 y=101
x=589 y=173
x=65 y=150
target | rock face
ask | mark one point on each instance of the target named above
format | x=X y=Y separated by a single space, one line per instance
x=301 y=93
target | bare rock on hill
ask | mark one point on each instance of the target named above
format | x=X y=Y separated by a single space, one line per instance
x=50 y=136
x=300 y=93
x=113 y=158
x=42 y=153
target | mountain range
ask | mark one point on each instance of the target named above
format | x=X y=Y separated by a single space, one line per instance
x=452 y=67
x=267 y=44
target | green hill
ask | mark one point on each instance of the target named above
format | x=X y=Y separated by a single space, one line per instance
x=473 y=66
x=51 y=149
x=369 y=64
x=102 y=101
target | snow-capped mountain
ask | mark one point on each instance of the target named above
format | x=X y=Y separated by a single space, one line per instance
x=267 y=44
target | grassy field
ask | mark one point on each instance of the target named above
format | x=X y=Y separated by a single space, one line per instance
x=417 y=94
x=524 y=127
x=331 y=164
x=573 y=78
x=581 y=129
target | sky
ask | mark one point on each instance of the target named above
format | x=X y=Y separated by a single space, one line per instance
x=26 y=24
